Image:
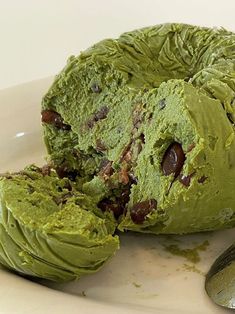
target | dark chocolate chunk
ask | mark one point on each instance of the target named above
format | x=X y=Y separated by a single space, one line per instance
x=95 y=88
x=142 y=138
x=117 y=204
x=125 y=196
x=99 y=115
x=54 y=118
x=102 y=113
x=63 y=172
x=202 y=179
x=71 y=175
x=133 y=178
x=162 y=104
x=126 y=154
x=106 y=169
x=173 y=159
x=140 y=210
x=185 y=180
x=110 y=205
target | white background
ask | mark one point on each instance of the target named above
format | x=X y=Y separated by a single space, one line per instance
x=37 y=36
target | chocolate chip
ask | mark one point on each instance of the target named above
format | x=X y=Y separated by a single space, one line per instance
x=106 y=169
x=71 y=175
x=202 y=179
x=140 y=210
x=125 y=196
x=173 y=159
x=126 y=154
x=142 y=138
x=133 y=178
x=102 y=113
x=54 y=118
x=118 y=203
x=95 y=88
x=185 y=180
x=99 y=115
x=63 y=172
x=162 y=103
x=104 y=163
x=100 y=146
x=109 y=205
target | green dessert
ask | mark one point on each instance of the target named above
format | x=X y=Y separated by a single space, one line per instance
x=49 y=229
x=140 y=132
x=145 y=123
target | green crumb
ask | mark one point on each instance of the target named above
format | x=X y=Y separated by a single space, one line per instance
x=137 y=285
x=192 y=268
x=83 y=293
x=192 y=255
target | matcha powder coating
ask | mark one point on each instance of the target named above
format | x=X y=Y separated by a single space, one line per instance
x=145 y=123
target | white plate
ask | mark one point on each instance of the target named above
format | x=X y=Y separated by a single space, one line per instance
x=141 y=278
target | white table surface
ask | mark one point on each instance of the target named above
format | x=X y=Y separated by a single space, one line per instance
x=36 y=37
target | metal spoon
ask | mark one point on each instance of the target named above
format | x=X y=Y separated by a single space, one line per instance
x=220 y=280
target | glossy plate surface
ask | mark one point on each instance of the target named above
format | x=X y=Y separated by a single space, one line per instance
x=143 y=277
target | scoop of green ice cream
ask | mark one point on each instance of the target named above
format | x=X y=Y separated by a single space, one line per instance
x=147 y=122
x=49 y=229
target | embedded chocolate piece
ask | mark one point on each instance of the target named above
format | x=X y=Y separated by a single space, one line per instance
x=109 y=205
x=202 y=179
x=140 y=210
x=99 y=115
x=106 y=169
x=54 y=118
x=185 y=180
x=173 y=160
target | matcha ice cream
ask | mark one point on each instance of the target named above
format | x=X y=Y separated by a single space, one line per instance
x=141 y=133
x=146 y=123
x=49 y=229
